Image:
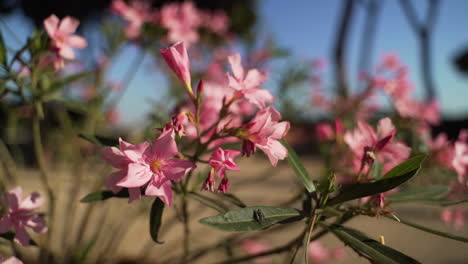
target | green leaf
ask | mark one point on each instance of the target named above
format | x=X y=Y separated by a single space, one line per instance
x=410 y=166
x=414 y=194
x=369 y=247
x=156 y=219
x=104 y=195
x=11 y=237
x=3 y=51
x=210 y=202
x=430 y=230
x=395 y=177
x=101 y=141
x=298 y=168
x=252 y=218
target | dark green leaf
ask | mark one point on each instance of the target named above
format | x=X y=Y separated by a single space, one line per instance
x=252 y=218
x=432 y=231
x=415 y=194
x=104 y=195
x=101 y=141
x=156 y=219
x=298 y=168
x=410 y=166
x=11 y=236
x=3 y=51
x=64 y=82
x=369 y=247
x=395 y=177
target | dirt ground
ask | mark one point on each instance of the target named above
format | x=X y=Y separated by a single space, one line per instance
x=257 y=184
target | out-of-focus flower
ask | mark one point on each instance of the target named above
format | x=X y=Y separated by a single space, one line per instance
x=325 y=131
x=182 y=21
x=460 y=161
x=136 y=13
x=177 y=59
x=217 y=22
x=264 y=132
x=142 y=165
x=367 y=144
x=254 y=247
x=318 y=254
x=454 y=217
x=10 y=260
x=19 y=215
x=61 y=33
x=247 y=86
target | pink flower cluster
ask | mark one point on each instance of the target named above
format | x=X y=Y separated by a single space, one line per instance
x=62 y=40
x=181 y=20
x=142 y=165
x=19 y=215
x=392 y=77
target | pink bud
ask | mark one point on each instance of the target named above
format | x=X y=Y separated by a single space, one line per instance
x=224 y=185
x=248 y=148
x=177 y=59
x=209 y=183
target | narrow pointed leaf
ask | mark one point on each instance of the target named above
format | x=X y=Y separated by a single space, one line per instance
x=210 y=202
x=369 y=247
x=298 y=167
x=395 y=177
x=252 y=218
x=432 y=231
x=156 y=214
x=104 y=195
x=232 y=199
x=3 y=51
x=414 y=194
x=101 y=141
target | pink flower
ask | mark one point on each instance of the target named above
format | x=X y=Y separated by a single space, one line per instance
x=145 y=165
x=454 y=217
x=217 y=22
x=136 y=14
x=177 y=59
x=366 y=144
x=318 y=254
x=19 y=215
x=182 y=21
x=224 y=185
x=223 y=159
x=254 y=247
x=62 y=36
x=460 y=161
x=263 y=132
x=324 y=132
x=248 y=85
x=10 y=260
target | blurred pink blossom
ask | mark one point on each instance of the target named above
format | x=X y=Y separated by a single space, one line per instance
x=61 y=33
x=182 y=21
x=10 y=260
x=136 y=13
x=254 y=247
x=19 y=215
x=454 y=217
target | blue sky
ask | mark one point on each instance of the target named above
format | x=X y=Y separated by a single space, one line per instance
x=307 y=28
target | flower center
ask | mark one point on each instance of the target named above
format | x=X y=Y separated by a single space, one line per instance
x=156 y=166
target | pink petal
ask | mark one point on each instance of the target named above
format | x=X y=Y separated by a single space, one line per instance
x=385 y=127
x=51 y=25
x=164 y=192
x=135 y=194
x=236 y=66
x=5 y=225
x=68 y=25
x=133 y=152
x=115 y=157
x=11 y=260
x=21 y=236
x=76 y=42
x=275 y=151
x=32 y=202
x=258 y=97
x=280 y=130
x=137 y=175
x=255 y=79
x=177 y=169
x=177 y=59
x=113 y=179
x=37 y=223
x=13 y=198
x=67 y=53
x=164 y=146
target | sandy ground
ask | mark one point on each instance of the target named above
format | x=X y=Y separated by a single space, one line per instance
x=123 y=234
